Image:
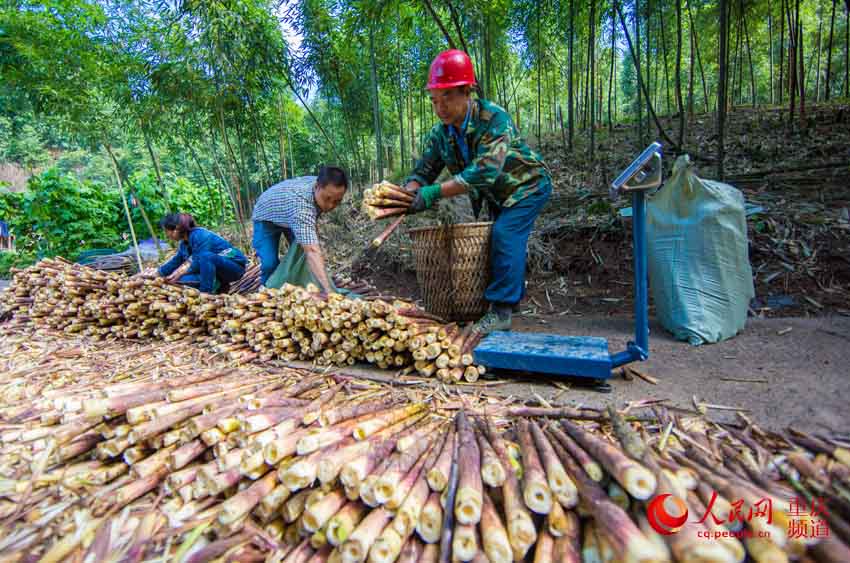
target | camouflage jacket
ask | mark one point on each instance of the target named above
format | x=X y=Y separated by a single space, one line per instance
x=503 y=168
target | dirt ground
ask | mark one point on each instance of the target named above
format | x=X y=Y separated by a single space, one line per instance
x=803 y=372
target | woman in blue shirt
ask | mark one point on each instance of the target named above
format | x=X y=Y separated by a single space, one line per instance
x=202 y=258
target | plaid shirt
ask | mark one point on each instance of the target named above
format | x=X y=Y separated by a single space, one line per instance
x=291 y=204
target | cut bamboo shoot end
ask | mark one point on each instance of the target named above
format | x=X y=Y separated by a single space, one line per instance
x=464 y=542
x=343 y=523
x=538 y=497
x=468 y=506
x=496 y=546
x=387 y=547
x=356 y=548
x=639 y=482
x=557 y=523
x=522 y=535
x=299 y=475
x=430 y=524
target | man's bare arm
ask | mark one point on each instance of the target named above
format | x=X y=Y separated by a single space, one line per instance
x=316 y=263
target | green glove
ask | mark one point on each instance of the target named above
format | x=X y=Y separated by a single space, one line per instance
x=426 y=196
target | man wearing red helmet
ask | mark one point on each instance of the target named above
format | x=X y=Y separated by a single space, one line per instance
x=489 y=160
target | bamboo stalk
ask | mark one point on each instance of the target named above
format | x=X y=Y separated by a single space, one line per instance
x=469 y=494
x=344 y=522
x=386 y=233
x=559 y=482
x=494 y=536
x=535 y=487
x=356 y=547
x=430 y=524
x=569 y=446
x=242 y=503
x=632 y=476
x=438 y=475
x=626 y=540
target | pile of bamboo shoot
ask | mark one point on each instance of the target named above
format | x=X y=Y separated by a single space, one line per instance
x=104 y=455
x=290 y=323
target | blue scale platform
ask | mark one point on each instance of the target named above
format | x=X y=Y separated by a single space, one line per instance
x=582 y=356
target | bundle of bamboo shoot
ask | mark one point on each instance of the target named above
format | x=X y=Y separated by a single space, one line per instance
x=117 y=448
x=291 y=323
x=385 y=200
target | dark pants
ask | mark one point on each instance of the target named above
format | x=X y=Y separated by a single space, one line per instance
x=266 y=242
x=212 y=267
x=509 y=247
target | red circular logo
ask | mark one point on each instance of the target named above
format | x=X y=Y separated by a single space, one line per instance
x=659 y=515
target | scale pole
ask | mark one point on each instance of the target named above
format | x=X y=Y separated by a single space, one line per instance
x=641 y=277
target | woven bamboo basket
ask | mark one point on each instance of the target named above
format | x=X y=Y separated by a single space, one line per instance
x=453 y=268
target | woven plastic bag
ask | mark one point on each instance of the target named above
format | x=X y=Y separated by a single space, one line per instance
x=699 y=265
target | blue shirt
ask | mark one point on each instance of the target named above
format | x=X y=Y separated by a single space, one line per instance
x=200 y=241
x=460 y=135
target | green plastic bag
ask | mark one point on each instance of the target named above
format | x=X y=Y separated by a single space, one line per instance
x=293 y=269
x=699 y=265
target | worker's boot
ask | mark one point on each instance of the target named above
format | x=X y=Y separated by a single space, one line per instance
x=498 y=318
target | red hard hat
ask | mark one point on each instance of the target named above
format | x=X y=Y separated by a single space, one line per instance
x=451 y=68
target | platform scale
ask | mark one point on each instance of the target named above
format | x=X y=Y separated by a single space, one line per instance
x=588 y=356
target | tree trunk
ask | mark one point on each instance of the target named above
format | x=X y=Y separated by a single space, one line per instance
x=563 y=128
x=737 y=69
x=400 y=103
x=570 y=114
x=539 y=81
x=233 y=164
x=782 y=14
x=289 y=144
x=817 y=64
x=611 y=74
x=749 y=55
x=826 y=90
x=412 y=125
x=591 y=47
x=721 y=92
x=792 y=64
x=641 y=84
x=648 y=93
x=157 y=171
x=258 y=138
x=126 y=208
x=699 y=59
x=679 y=105
x=691 y=63
x=188 y=144
x=312 y=117
x=488 y=59
x=281 y=140
x=376 y=107
x=847 y=54
x=667 y=103
x=439 y=23
x=770 y=49
x=222 y=177
x=636 y=59
x=246 y=176
x=802 y=77
x=456 y=23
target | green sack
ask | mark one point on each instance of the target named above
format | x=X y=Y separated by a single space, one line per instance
x=293 y=269
x=699 y=267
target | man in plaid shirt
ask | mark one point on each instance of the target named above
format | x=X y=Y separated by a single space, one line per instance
x=291 y=208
